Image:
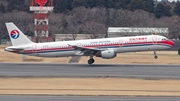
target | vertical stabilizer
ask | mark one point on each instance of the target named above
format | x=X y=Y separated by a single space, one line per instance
x=16 y=35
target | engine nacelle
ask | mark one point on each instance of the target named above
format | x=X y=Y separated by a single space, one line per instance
x=108 y=54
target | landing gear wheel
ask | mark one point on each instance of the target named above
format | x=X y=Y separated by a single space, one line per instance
x=90 y=61
x=155 y=57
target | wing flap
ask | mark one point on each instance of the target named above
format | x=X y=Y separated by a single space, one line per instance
x=86 y=50
x=80 y=48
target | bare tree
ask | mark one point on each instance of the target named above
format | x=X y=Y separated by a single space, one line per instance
x=94 y=21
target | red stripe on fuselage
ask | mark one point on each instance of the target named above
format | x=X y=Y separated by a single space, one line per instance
x=166 y=42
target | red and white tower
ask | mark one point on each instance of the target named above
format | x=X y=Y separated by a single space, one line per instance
x=41 y=9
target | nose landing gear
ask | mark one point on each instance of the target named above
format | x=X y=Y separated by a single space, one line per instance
x=155 y=55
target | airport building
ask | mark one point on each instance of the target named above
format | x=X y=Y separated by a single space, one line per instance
x=135 y=31
x=66 y=37
x=115 y=32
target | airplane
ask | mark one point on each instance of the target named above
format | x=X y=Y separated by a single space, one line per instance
x=106 y=48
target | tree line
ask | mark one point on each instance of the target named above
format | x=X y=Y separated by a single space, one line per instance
x=61 y=6
x=93 y=16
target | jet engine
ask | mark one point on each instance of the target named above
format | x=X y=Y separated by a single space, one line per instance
x=108 y=54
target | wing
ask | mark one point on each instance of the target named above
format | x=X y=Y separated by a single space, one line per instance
x=87 y=50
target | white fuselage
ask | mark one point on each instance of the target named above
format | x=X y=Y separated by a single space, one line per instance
x=119 y=45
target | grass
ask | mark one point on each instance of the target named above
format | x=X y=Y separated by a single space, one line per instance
x=165 y=57
x=12 y=57
x=90 y=86
x=93 y=86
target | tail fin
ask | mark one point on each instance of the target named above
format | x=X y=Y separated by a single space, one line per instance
x=16 y=35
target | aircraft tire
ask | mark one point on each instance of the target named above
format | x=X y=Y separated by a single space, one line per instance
x=90 y=61
x=155 y=56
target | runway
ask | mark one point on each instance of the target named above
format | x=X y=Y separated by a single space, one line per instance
x=84 y=70
x=85 y=98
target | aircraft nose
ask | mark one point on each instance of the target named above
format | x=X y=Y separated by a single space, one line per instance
x=171 y=43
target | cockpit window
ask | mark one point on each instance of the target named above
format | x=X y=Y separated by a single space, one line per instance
x=163 y=39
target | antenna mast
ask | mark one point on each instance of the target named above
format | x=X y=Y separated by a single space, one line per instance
x=41 y=9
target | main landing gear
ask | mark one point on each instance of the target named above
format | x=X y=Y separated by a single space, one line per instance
x=155 y=55
x=91 y=60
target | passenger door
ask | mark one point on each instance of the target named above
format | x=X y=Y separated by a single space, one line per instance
x=121 y=43
x=154 y=40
